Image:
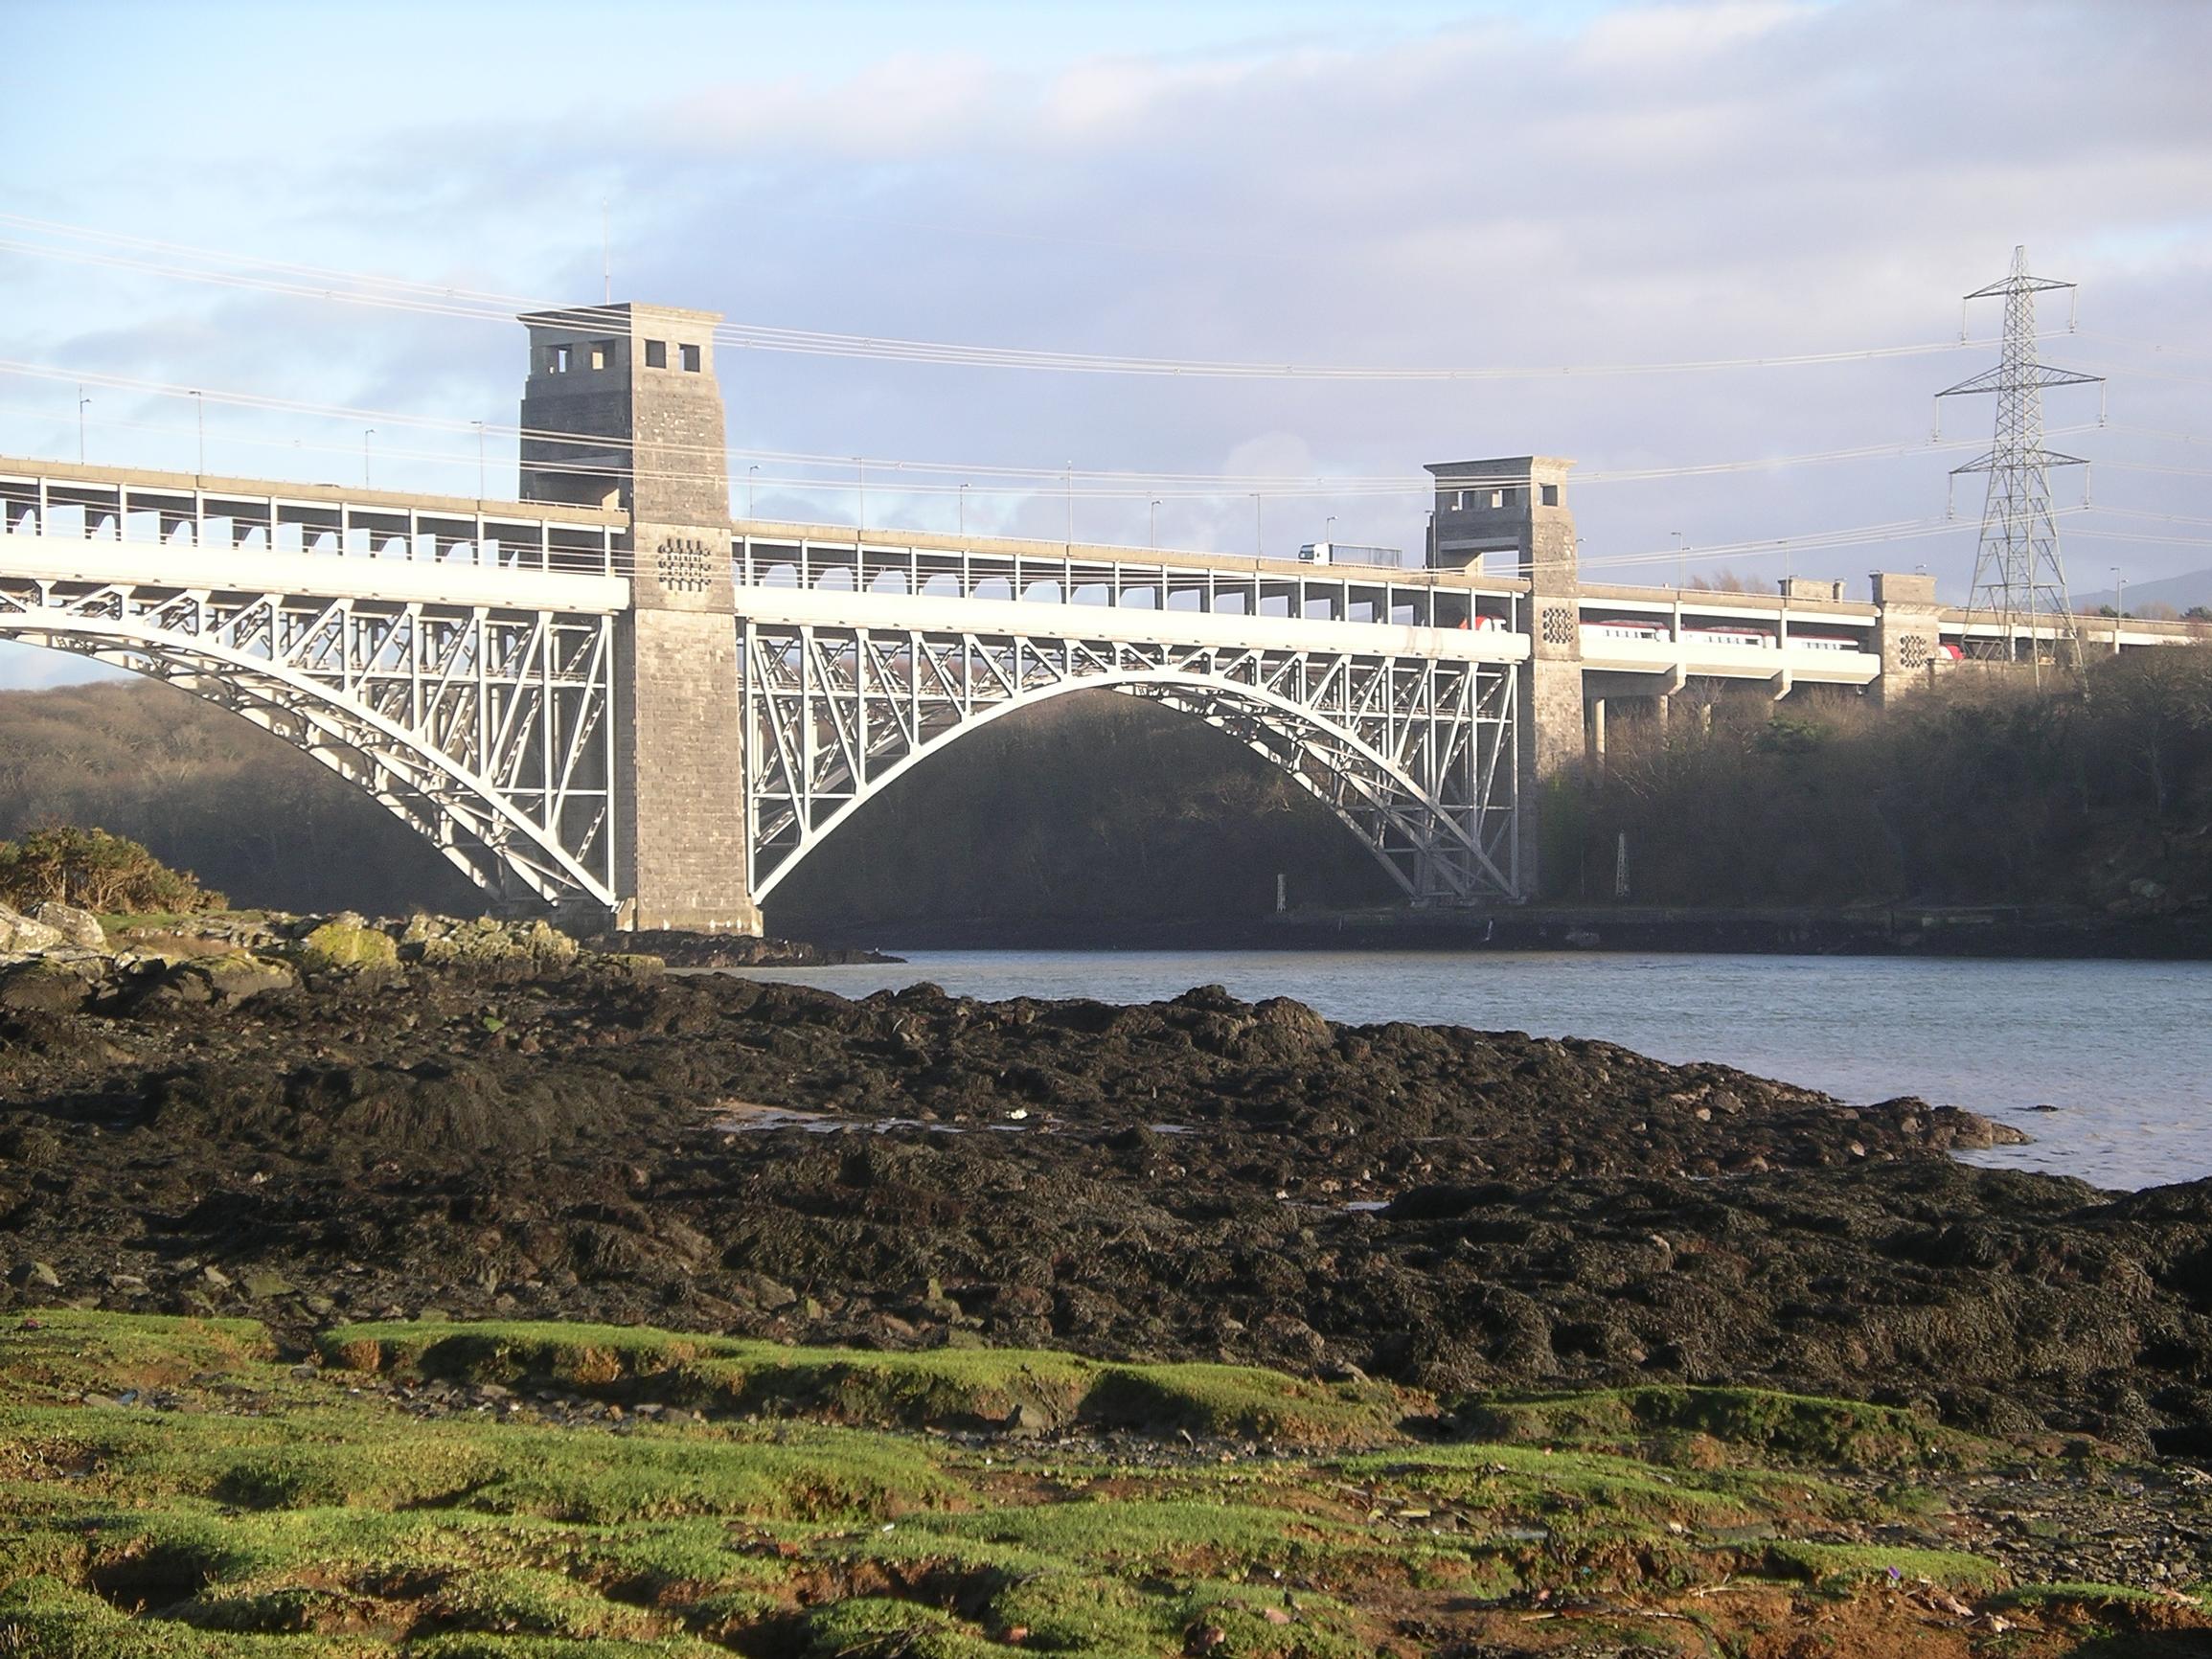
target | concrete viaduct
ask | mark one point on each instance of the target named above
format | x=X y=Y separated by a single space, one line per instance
x=609 y=696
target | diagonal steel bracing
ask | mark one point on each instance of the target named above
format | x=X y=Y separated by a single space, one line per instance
x=1413 y=753
x=486 y=729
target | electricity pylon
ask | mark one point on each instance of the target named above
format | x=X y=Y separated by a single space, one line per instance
x=2018 y=575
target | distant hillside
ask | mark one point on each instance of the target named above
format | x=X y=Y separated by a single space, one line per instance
x=2176 y=592
x=210 y=793
x=1094 y=806
x=1979 y=792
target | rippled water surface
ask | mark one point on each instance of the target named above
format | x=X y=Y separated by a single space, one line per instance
x=2122 y=1049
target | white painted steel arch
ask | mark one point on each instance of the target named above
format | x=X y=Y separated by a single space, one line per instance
x=1431 y=824
x=478 y=827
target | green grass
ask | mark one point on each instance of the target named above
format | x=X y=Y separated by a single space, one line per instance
x=1841 y=1565
x=952 y=1387
x=2096 y=1594
x=331 y=1458
x=1676 y=1424
x=66 y=1353
x=825 y=1511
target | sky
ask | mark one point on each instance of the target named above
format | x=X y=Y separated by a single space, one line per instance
x=1382 y=187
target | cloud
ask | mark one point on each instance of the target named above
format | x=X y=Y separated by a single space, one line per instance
x=1652 y=183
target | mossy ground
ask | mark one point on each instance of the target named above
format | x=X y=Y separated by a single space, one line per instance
x=961 y=1388
x=174 y=1489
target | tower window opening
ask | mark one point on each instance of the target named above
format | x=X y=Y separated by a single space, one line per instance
x=691 y=359
x=656 y=353
x=1551 y=495
x=557 y=359
x=1498 y=499
x=603 y=355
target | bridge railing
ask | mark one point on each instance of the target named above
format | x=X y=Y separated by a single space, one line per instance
x=237 y=516
x=1047 y=574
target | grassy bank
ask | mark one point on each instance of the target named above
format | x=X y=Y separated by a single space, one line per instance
x=181 y=1487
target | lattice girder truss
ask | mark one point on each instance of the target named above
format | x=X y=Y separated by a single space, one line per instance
x=485 y=729
x=1415 y=755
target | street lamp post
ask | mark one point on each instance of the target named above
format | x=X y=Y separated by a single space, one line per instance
x=752 y=482
x=964 y=510
x=1070 y=482
x=367 y=433
x=1682 y=560
x=1259 y=541
x=1329 y=531
x=1152 y=525
x=200 y=419
x=480 y=477
x=81 y=401
x=2119 y=607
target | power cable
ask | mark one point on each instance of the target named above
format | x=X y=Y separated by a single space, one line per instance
x=445 y=302
x=1284 y=484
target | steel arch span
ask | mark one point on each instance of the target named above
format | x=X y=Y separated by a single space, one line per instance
x=1415 y=755
x=484 y=729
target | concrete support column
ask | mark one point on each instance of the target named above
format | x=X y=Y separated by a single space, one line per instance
x=1597 y=755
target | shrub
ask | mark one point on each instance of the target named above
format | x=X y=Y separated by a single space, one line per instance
x=97 y=872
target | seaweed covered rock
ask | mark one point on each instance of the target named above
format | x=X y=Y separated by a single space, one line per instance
x=1202 y=1179
x=224 y=980
x=46 y=984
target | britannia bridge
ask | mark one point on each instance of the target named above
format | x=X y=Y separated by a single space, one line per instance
x=612 y=697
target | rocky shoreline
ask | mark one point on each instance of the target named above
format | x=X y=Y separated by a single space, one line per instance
x=490 y=1124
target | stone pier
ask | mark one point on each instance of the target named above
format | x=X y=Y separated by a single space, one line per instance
x=1516 y=507
x=621 y=409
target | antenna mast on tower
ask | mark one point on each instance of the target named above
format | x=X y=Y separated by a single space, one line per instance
x=2018 y=575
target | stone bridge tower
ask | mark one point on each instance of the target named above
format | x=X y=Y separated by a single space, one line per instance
x=621 y=408
x=1907 y=632
x=1518 y=506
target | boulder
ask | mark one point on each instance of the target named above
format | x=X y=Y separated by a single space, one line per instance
x=347 y=942
x=233 y=977
x=488 y=943
x=80 y=927
x=44 y=986
x=18 y=933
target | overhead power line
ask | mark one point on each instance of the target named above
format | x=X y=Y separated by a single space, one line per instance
x=922 y=476
x=349 y=287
